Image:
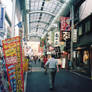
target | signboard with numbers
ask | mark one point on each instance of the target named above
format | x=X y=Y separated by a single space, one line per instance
x=13 y=58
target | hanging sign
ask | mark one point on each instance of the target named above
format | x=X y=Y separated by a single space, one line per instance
x=13 y=58
x=65 y=23
x=75 y=35
x=56 y=39
x=66 y=35
x=2 y=17
x=61 y=35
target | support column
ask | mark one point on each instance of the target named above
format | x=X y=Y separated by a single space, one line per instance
x=13 y=18
x=72 y=28
x=91 y=61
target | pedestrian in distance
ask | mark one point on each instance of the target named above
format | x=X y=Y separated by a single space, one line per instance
x=42 y=64
x=39 y=60
x=34 y=59
x=30 y=65
x=52 y=64
x=45 y=59
x=59 y=64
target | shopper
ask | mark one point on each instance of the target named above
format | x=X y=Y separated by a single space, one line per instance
x=30 y=65
x=39 y=59
x=60 y=64
x=42 y=64
x=27 y=58
x=52 y=66
x=45 y=60
x=34 y=59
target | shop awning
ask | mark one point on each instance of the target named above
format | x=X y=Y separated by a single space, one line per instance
x=86 y=40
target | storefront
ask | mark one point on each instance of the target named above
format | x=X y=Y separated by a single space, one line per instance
x=83 y=61
x=84 y=49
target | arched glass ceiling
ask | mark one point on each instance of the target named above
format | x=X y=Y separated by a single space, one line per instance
x=41 y=14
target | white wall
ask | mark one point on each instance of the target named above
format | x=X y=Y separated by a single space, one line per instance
x=34 y=46
x=8 y=8
x=85 y=9
x=16 y=27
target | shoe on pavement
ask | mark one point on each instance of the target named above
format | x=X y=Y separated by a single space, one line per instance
x=51 y=88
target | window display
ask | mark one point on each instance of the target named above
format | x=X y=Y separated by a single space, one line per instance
x=85 y=57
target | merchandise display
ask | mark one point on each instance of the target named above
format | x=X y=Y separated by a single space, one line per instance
x=3 y=76
x=25 y=62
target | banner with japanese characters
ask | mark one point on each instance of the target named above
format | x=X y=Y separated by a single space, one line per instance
x=65 y=23
x=65 y=28
x=75 y=35
x=66 y=35
x=13 y=57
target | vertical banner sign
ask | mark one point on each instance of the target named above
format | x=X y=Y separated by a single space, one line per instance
x=42 y=43
x=60 y=35
x=2 y=16
x=65 y=23
x=56 y=39
x=65 y=27
x=13 y=58
x=75 y=35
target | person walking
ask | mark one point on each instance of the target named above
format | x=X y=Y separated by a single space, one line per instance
x=30 y=64
x=42 y=64
x=52 y=64
x=45 y=60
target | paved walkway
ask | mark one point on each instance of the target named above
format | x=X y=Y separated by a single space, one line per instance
x=66 y=81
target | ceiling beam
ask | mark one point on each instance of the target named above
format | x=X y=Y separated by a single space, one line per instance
x=39 y=22
x=42 y=12
x=62 y=12
x=34 y=35
x=38 y=28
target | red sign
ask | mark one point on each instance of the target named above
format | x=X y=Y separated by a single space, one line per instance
x=61 y=36
x=65 y=23
x=40 y=50
x=11 y=60
x=13 y=57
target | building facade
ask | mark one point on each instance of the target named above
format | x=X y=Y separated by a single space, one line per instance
x=83 y=47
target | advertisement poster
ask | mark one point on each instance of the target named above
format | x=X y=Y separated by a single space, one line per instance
x=65 y=28
x=65 y=23
x=13 y=58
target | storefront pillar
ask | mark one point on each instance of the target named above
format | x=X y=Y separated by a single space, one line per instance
x=91 y=61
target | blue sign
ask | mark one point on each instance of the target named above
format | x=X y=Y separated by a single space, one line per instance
x=1 y=17
x=20 y=24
